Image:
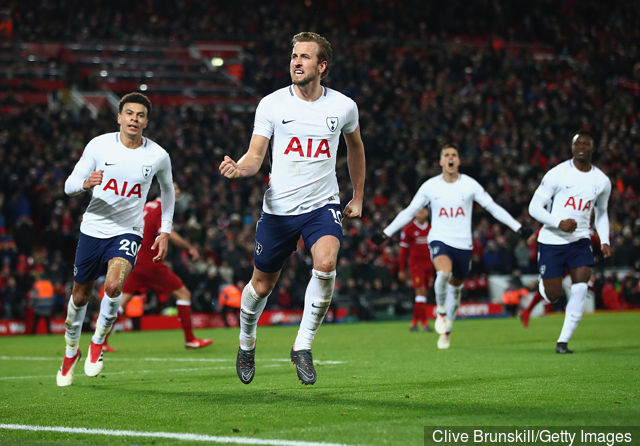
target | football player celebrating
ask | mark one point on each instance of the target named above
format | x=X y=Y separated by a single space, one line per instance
x=118 y=168
x=450 y=197
x=575 y=189
x=304 y=122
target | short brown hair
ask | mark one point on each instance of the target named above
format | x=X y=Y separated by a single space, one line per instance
x=448 y=146
x=137 y=98
x=325 y=53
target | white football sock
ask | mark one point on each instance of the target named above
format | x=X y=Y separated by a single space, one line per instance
x=73 y=327
x=316 y=303
x=108 y=313
x=421 y=299
x=440 y=288
x=573 y=312
x=454 y=294
x=251 y=307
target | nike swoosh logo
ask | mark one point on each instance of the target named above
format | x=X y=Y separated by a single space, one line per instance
x=247 y=375
x=303 y=372
x=316 y=306
x=109 y=164
x=287 y=122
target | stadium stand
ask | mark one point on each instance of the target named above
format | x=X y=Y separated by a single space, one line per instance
x=507 y=86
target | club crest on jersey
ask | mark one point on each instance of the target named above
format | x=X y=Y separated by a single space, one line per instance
x=258 y=248
x=146 y=171
x=543 y=268
x=332 y=123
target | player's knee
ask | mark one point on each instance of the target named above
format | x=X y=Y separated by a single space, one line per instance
x=80 y=298
x=262 y=287
x=325 y=265
x=553 y=297
x=183 y=294
x=112 y=288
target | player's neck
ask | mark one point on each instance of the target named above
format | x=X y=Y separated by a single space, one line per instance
x=310 y=92
x=130 y=142
x=450 y=177
x=583 y=166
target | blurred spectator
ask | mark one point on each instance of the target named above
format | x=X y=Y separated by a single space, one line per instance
x=229 y=302
x=43 y=302
x=422 y=75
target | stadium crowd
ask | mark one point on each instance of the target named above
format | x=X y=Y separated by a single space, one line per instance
x=509 y=88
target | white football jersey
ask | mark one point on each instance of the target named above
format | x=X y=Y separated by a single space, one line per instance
x=451 y=205
x=116 y=205
x=304 y=145
x=574 y=194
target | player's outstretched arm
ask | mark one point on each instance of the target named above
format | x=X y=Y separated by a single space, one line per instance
x=250 y=162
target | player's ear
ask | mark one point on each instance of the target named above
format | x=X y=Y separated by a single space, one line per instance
x=322 y=67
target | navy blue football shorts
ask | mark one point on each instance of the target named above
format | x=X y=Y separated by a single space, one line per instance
x=460 y=258
x=555 y=260
x=93 y=254
x=277 y=235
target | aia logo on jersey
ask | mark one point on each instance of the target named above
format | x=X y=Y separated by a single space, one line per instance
x=123 y=190
x=578 y=205
x=450 y=213
x=312 y=150
x=332 y=123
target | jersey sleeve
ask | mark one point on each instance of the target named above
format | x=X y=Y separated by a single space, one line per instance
x=483 y=198
x=351 y=123
x=542 y=195
x=81 y=171
x=601 y=220
x=167 y=193
x=263 y=124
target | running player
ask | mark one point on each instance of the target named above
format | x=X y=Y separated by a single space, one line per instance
x=575 y=189
x=303 y=122
x=118 y=167
x=450 y=196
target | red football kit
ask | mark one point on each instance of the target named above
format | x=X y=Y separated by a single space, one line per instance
x=146 y=273
x=413 y=241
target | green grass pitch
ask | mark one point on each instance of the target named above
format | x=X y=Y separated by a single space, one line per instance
x=377 y=384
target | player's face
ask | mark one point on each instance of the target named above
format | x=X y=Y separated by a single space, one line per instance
x=133 y=119
x=449 y=160
x=582 y=148
x=304 y=66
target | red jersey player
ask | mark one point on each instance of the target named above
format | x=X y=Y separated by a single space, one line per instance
x=158 y=276
x=413 y=242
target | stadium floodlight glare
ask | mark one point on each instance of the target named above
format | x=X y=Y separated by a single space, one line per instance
x=143 y=87
x=217 y=61
x=104 y=73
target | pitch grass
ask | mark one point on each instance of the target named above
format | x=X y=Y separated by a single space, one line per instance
x=389 y=385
